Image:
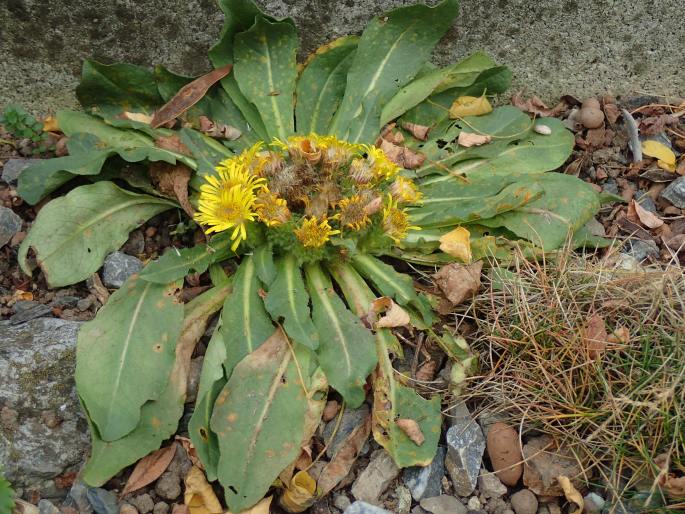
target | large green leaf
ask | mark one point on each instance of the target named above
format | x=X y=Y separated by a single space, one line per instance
x=126 y=353
x=391 y=51
x=265 y=71
x=346 y=352
x=72 y=235
x=259 y=421
x=246 y=324
x=321 y=86
x=287 y=299
x=158 y=418
x=116 y=88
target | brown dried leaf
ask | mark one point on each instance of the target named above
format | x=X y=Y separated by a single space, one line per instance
x=653 y=125
x=299 y=493
x=674 y=486
x=427 y=371
x=188 y=96
x=172 y=180
x=469 y=139
x=536 y=106
x=620 y=335
x=61 y=147
x=571 y=494
x=173 y=144
x=402 y=156
x=218 y=130
x=420 y=132
x=149 y=469
x=395 y=316
x=412 y=429
x=99 y=289
x=611 y=112
x=638 y=213
x=595 y=336
x=459 y=282
x=190 y=450
x=199 y=496
x=331 y=410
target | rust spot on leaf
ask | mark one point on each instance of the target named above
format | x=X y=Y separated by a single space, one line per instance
x=155 y=422
x=232 y=417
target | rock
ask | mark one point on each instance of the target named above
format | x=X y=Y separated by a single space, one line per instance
x=544 y=461
x=135 y=245
x=118 y=267
x=181 y=463
x=443 y=504
x=360 y=507
x=645 y=201
x=425 y=482
x=474 y=503
x=102 y=501
x=610 y=186
x=127 y=508
x=465 y=446
x=161 y=508
x=505 y=453
x=26 y=310
x=13 y=168
x=194 y=379
x=37 y=361
x=341 y=501
x=524 y=502
x=641 y=250
x=143 y=502
x=168 y=486
x=593 y=503
x=351 y=419
x=675 y=193
x=403 y=499
x=10 y=224
x=375 y=478
x=77 y=499
x=497 y=506
x=490 y=486
x=46 y=507
x=418 y=510
x=85 y=303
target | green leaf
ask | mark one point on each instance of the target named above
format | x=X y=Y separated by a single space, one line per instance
x=72 y=122
x=265 y=71
x=212 y=381
x=345 y=351
x=6 y=495
x=175 y=264
x=287 y=298
x=264 y=262
x=321 y=86
x=72 y=235
x=158 y=418
x=116 y=88
x=246 y=324
x=391 y=51
x=259 y=421
x=125 y=354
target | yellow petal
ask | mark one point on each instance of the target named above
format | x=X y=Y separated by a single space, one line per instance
x=299 y=495
x=199 y=496
x=664 y=155
x=457 y=243
x=470 y=106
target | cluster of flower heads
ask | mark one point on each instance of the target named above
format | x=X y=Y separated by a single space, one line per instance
x=313 y=186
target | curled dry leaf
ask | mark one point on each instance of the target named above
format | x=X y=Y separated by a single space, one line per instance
x=457 y=243
x=300 y=494
x=50 y=124
x=199 y=496
x=218 y=130
x=172 y=180
x=619 y=336
x=395 y=316
x=418 y=131
x=402 y=156
x=571 y=493
x=595 y=336
x=188 y=96
x=149 y=469
x=674 y=486
x=190 y=450
x=412 y=429
x=470 y=106
x=459 y=282
x=662 y=153
x=427 y=371
x=536 y=106
x=636 y=213
x=469 y=139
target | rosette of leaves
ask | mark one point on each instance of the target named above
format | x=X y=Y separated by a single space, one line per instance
x=296 y=279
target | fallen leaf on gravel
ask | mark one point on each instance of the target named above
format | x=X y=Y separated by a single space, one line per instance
x=172 y=180
x=149 y=469
x=412 y=429
x=470 y=106
x=638 y=213
x=418 y=131
x=664 y=155
x=468 y=139
x=571 y=494
x=544 y=461
x=188 y=96
x=674 y=486
x=653 y=125
x=402 y=156
x=394 y=315
x=299 y=494
x=595 y=336
x=459 y=282
x=218 y=130
x=457 y=243
x=199 y=495
x=536 y=106
x=260 y=508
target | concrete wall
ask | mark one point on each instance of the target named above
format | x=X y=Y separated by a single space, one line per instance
x=554 y=47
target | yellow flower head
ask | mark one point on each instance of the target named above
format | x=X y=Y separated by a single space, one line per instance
x=314 y=233
x=225 y=209
x=396 y=221
x=271 y=210
x=229 y=173
x=404 y=190
x=352 y=212
x=383 y=168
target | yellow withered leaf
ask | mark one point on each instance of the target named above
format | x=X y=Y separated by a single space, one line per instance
x=300 y=494
x=571 y=493
x=457 y=243
x=50 y=124
x=199 y=496
x=470 y=106
x=664 y=155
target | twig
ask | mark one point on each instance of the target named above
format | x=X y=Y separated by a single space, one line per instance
x=635 y=145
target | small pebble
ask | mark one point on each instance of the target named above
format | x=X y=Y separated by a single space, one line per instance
x=143 y=503
x=168 y=486
x=127 y=508
x=524 y=502
x=593 y=503
x=542 y=129
x=341 y=501
x=474 y=503
x=161 y=508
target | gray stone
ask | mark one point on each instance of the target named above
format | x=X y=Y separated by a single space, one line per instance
x=341 y=501
x=375 y=478
x=645 y=201
x=403 y=499
x=118 y=268
x=351 y=419
x=474 y=503
x=135 y=245
x=77 y=498
x=640 y=249
x=675 y=193
x=13 y=168
x=46 y=507
x=102 y=501
x=194 y=379
x=161 y=508
x=66 y=301
x=443 y=504
x=37 y=361
x=26 y=310
x=425 y=482
x=553 y=46
x=489 y=485
x=592 y=503
x=610 y=186
x=465 y=446
x=524 y=502
x=418 y=510
x=10 y=224
x=168 y=486
x=360 y=507
x=143 y=502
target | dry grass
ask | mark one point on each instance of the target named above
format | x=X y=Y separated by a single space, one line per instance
x=618 y=412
